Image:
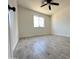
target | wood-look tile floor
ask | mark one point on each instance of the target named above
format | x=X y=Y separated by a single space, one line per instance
x=44 y=47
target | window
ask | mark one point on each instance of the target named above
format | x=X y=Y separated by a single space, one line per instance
x=38 y=21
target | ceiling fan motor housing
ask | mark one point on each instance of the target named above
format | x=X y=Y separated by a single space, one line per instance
x=49 y=2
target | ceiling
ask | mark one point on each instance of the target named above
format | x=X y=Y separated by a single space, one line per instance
x=35 y=5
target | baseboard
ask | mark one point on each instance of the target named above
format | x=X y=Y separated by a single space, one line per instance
x=43 y=35
x=61 y=35
x=33 y=36
x=15 y=45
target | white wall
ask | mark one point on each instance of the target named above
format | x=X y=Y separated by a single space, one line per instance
x=26 y=28
x=61 y=22
x=13 y=26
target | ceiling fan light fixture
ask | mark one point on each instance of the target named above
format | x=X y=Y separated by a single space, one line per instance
x=49 y=3
x=45 y=2
x=49 y=11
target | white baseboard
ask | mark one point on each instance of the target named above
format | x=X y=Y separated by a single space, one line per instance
x=61 y=35
x=33 y=36
x=15 y=45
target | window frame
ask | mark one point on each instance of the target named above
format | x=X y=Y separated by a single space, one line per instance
x=39 y=21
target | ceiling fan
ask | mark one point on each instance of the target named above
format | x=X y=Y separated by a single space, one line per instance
x=49 y=3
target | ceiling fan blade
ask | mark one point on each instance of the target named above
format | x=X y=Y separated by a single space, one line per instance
x=54 y=3
x=43 y=5
x=49 y=7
